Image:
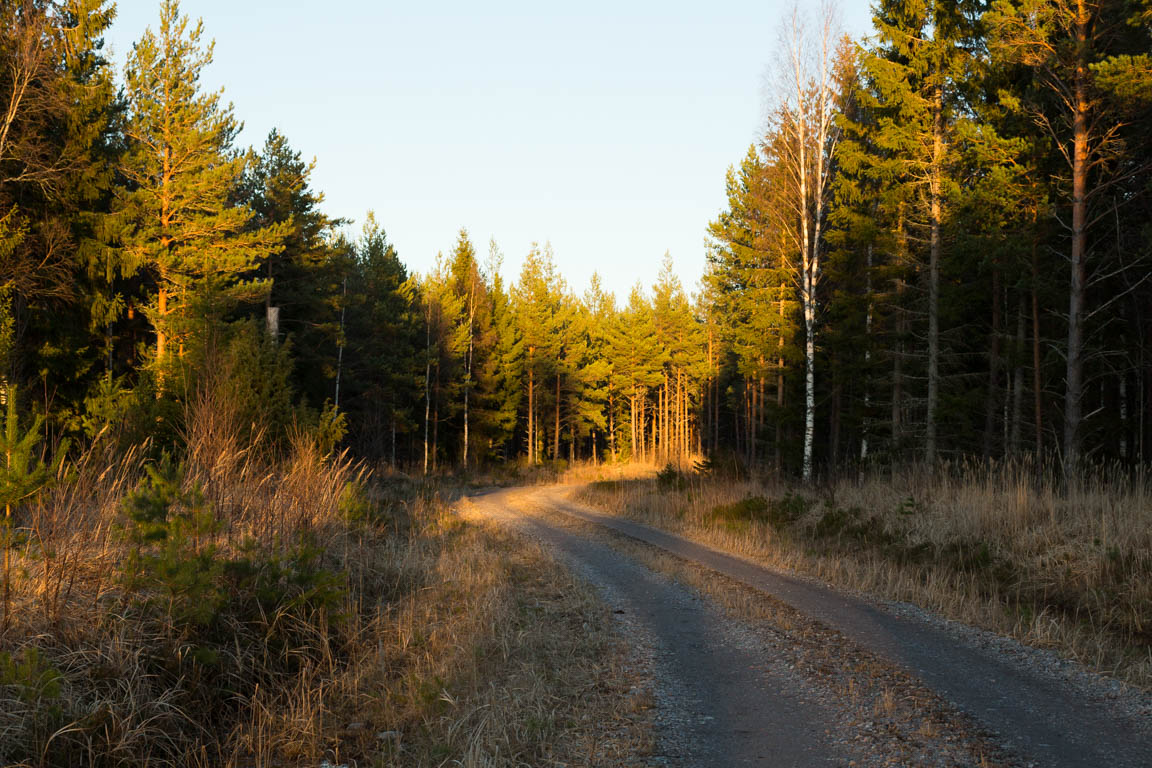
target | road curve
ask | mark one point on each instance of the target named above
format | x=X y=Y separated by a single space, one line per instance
x=742 y=719
x=719 y=702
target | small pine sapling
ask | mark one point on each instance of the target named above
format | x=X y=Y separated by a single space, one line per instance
x=23 y=475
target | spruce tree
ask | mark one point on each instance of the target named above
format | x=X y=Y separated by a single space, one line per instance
x=383 y=337
x=923 y=54
x=1091 y=86
x=55 y=135
x=305 y=273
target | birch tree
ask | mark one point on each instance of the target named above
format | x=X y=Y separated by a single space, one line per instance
x=804 y=122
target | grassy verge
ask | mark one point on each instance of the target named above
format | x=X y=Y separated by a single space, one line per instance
x=231 y=611
x=1069 y=569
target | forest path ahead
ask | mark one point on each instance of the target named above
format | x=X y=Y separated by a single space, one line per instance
x=817 y=677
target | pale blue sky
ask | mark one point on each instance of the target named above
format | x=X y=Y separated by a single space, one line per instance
x=605 y=129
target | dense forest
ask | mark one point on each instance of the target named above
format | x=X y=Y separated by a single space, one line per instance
x=939 y=249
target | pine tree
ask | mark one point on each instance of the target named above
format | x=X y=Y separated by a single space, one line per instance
x=633 y=349
x=471 y=288
x=752 y=289
x=23 y=474
x=503 y=372
x=599 y=387
x=539 y=324
x=176 y=224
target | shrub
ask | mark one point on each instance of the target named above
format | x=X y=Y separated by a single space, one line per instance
x=779 y=513
x=171 y=553
x=748 y=509
x=851 y=523
x=671 y=479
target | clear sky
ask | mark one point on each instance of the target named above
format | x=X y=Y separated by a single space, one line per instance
x=603 y=127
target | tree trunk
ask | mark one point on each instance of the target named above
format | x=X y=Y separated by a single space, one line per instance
x=436 y=417
x=867 y=358
x=934 y=214
x=753 y=423
x=1018 y=381
x=531 y=408
x=427 y=382
x=340 y=349
x=1074 y=378
x=809 y=380
x=468 y=364
x=901 y=333
x=556 y=433
x=992 y=396
x=611 y=424
x=632 y=425
x=655 y=436
x=780 y=387
x=161 y=333
x=1037 y=380
x=1123 y=398
x=834 y=427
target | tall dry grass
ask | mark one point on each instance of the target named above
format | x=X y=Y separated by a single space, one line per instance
x=286 y=610
x=1007 y=546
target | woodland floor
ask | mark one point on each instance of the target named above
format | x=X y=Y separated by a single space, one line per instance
x=746 y=665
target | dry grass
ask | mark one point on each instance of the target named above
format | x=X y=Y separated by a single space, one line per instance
x=1005 y=547
x=294 y=611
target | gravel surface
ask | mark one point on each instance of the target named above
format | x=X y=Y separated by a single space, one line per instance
x=1045 y=711
x=740 y=671
x=719 y=701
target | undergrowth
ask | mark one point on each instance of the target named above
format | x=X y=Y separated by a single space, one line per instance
x=222 y=607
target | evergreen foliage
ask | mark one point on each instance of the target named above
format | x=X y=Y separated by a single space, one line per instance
x=905 y=303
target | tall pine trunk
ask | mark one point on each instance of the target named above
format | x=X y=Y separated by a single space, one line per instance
x=1018 y=380
x=867 y=420
x=1074 y=378
x=468 y=364
x=934 y=214
x=992 y=396
x=427 y=382
x=531 y=407
x=1037 y=380
x=340 y=344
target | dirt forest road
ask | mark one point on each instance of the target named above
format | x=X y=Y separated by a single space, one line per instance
x=789 y=672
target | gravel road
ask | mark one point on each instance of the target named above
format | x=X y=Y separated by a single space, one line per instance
x=789 y=691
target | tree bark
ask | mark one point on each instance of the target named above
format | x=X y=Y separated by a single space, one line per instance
x=1018 y=381
x=1037 y=374
x=427 y=381
x=468 y=363
x=866 y=422
x=611 y=424
x=992 y=396
x=1074 y=377
x=531 y=408
x=934 y=214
